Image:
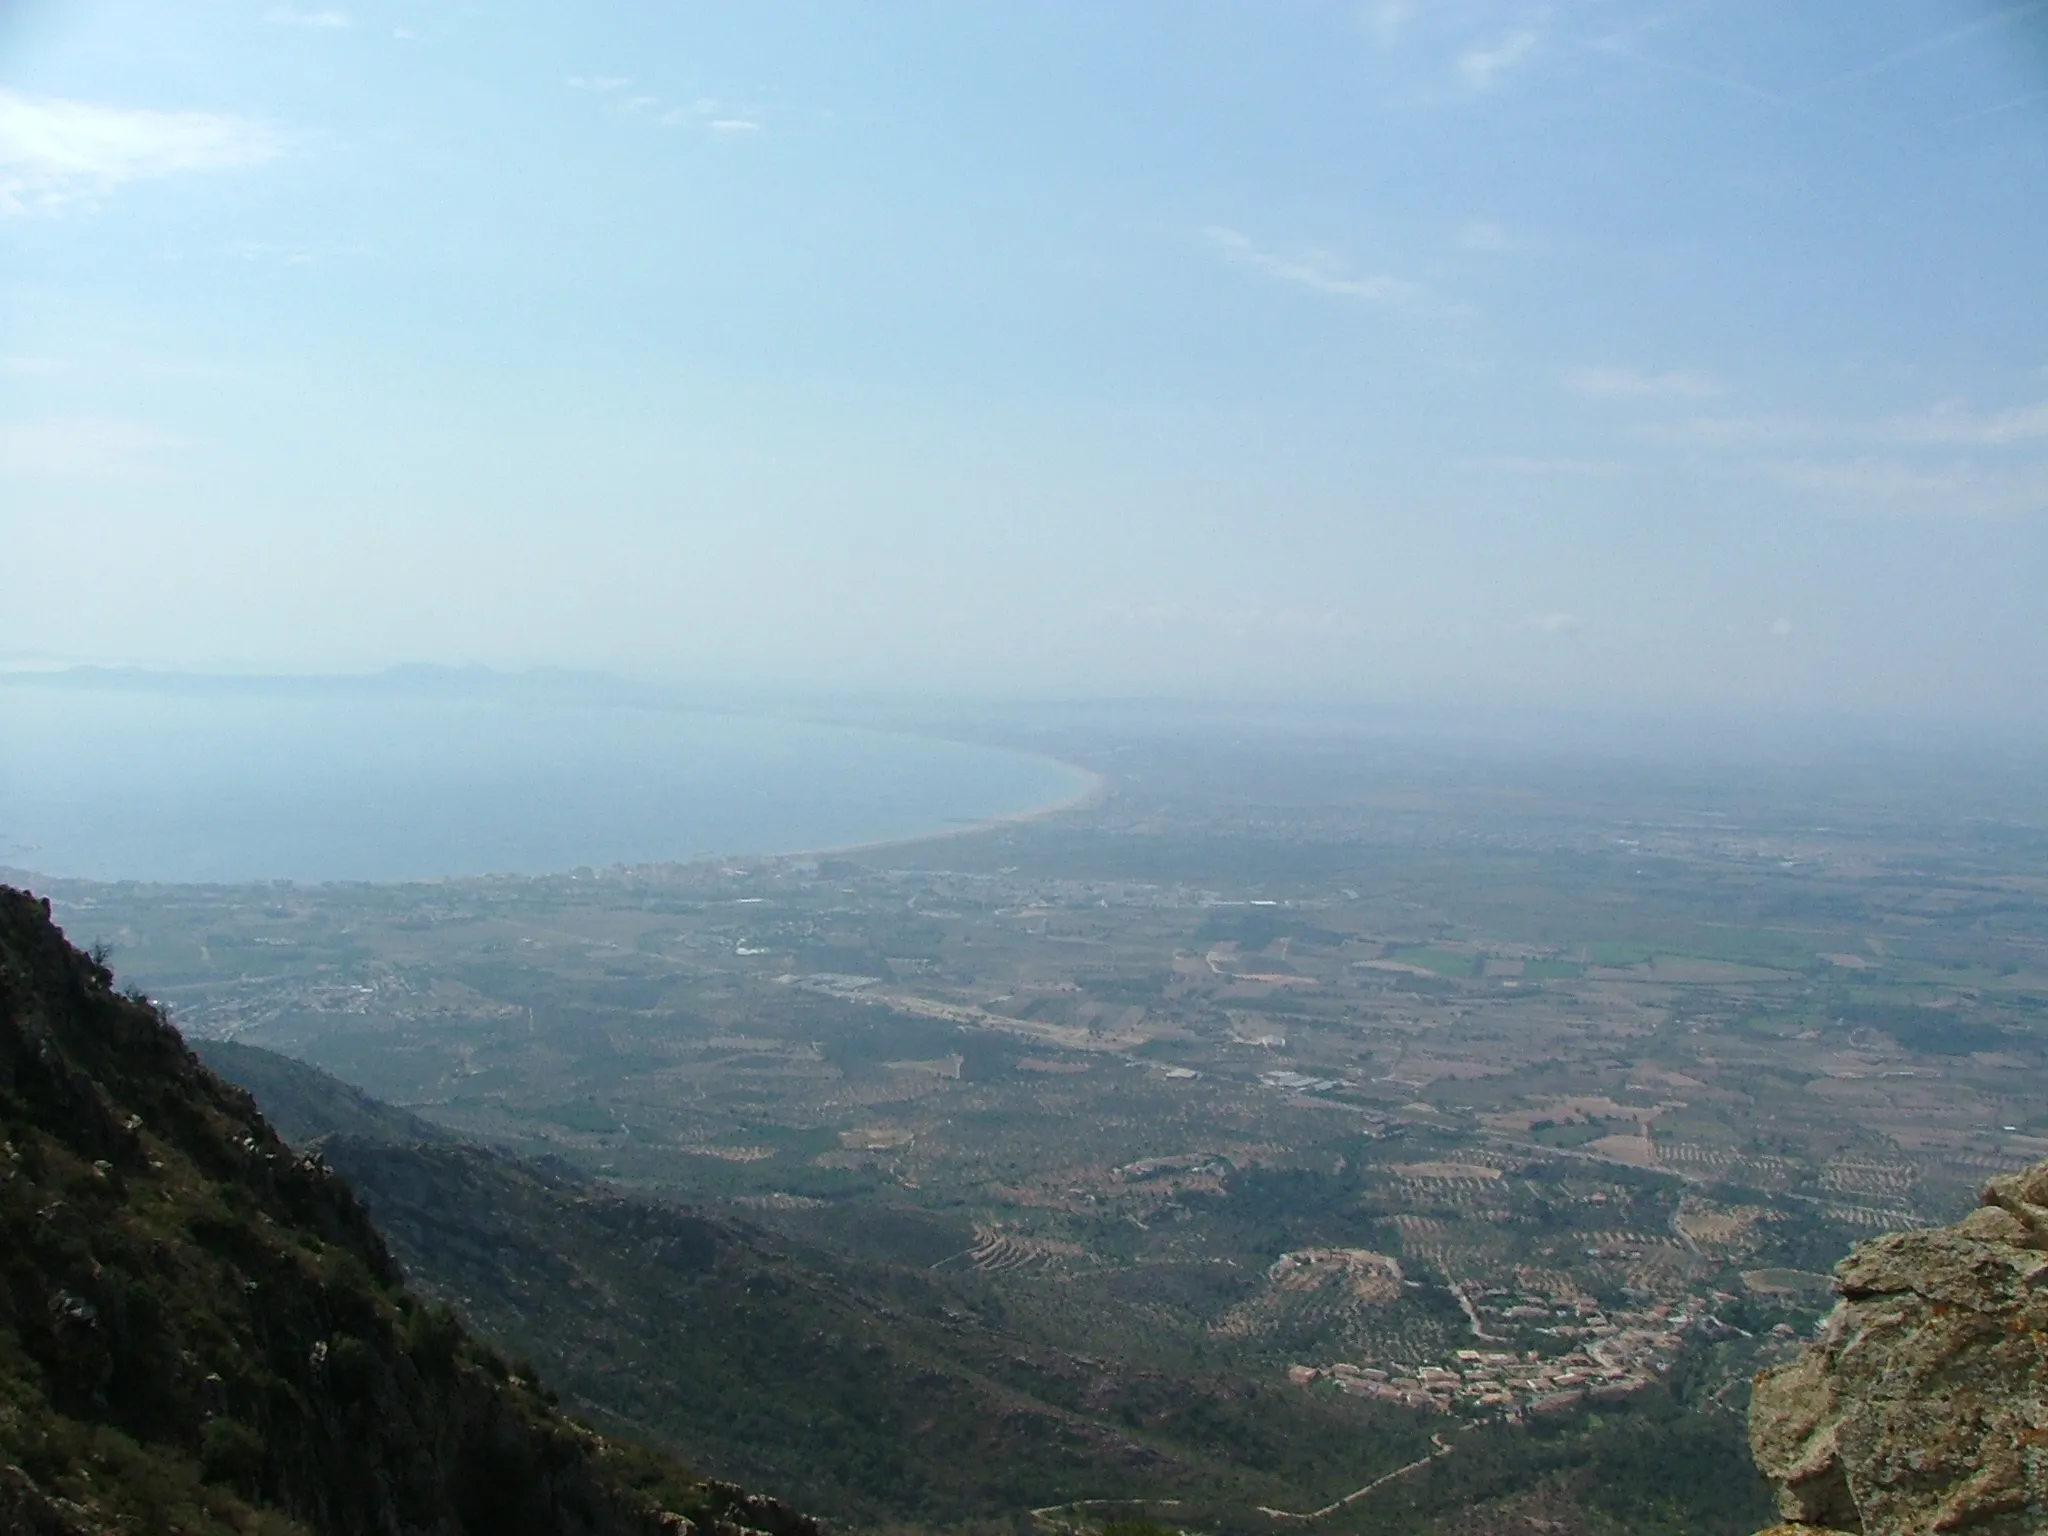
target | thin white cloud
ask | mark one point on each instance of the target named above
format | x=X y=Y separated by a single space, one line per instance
x=273 y=253
x=1240 y=622
x=1581 y=469
x=1939 y=40
x=1952 y=423
x=1738 y=431
x=1285 y=620
x=1481 y=68
x=1388 y=21
x=715 y=118
x=292 y=16
x=107 y=365
x=1944 y=461
x=1633 y=384
x=56 y=153
x=1886 y=487
x=84 y=448
x=1948 y=425
x=1557 y=623
x=1482 y=235
x=1323 y=272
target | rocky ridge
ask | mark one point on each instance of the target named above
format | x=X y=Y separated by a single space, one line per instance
x=1922 y=1405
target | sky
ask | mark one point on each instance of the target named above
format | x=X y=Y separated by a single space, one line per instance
x=1675 y=358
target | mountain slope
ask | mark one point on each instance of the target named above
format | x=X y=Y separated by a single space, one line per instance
x=200 y=1330
x=887 y=1395
x=303 y=1103
x=875 y=1392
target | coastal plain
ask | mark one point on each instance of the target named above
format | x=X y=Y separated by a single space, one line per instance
x=1463 y=1092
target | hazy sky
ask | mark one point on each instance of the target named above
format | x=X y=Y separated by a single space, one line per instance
x=1612 y=354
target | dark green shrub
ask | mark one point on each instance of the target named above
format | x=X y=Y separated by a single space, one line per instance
x=432 y=1337
x=351 y=1369
x=1136 y=1525
x=231 y=1452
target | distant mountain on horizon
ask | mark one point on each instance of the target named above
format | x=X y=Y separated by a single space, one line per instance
x=417 y=676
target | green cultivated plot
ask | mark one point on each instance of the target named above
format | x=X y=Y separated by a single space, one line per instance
x=1445 y=962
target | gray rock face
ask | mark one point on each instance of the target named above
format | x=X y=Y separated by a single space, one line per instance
x=1922 y=1407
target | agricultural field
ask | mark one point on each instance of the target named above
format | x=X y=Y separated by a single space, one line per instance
x=1487 y=1091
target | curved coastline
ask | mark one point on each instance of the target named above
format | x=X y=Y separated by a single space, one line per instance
x=224 y=802
x=1096 y=787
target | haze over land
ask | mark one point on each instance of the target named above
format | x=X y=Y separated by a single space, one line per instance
x=1561 y=355
x=1016 y=769
x=1441 y=1136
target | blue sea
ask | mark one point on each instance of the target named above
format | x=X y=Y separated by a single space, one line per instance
x=212 y=781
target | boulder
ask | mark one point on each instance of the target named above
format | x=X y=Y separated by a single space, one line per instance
x=1922 y=1405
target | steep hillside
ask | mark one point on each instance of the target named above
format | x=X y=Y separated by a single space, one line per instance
x=200 y=1331
x=876 y=1393
x=302 y=1103
x=888 y=1395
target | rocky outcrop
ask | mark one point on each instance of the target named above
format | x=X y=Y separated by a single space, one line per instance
x=1922 y=1406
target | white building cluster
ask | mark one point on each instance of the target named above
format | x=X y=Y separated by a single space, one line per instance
x=1621 y=1356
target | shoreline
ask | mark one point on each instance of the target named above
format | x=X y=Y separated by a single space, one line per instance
x=1091 y=792
x=1094 y=788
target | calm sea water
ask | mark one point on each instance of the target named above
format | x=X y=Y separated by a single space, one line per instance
x=218 y=784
